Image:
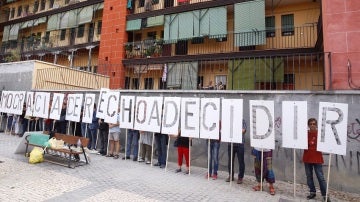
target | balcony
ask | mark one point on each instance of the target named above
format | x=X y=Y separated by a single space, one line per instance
x=275 y=39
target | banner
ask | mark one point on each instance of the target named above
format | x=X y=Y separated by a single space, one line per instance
x=12 y=102
x=294 y=126
x=88 y=108
x=127 y=111
x=210 y=118
x=171 y=115
x=56 y=106
x=231 y=120
x=190 y=117
x=262 y=133
x=29 y=102
x=101 y=107
x=41 y=105
x=332 y=128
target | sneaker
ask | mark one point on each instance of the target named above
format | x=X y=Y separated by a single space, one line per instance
x=186 y=172
x=178 y=170
x=148 y=162
x=162 y=166
x=311 y=196
x=157 y=164
x=128 y=157
x=239 y=181
x=140 y=160
x=214 y=177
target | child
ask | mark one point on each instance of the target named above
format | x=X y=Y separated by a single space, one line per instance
x=183 y=150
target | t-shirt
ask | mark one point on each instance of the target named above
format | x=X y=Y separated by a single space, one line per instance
x=115 y=129
x=310 y=154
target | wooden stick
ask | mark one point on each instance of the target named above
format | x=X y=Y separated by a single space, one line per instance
x=328 y=178
x=126 y=135
x=294 y=173
x=167 y=154
x=152 y=149
x=231 y=163
x=189 y=154
x=261 y=176
x=208 y=161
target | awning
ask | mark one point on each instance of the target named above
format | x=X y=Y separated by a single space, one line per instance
x=6 y=33
x=14 y=32
x=53 y=22
x=133 y=25
x=85 y=15
x=155 y=21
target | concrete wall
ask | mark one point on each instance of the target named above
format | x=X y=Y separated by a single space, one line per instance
x=16 y=75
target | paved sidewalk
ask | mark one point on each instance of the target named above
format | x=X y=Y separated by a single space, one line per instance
x=107 y=179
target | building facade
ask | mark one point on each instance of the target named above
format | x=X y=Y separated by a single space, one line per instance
x=63 y=32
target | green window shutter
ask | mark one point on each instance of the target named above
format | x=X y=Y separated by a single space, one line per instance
x=173 y=79
x=186 y=25
x=14 y=32
x=241 y=74
x=6 y=33
x=133 y=25
x=53 y=22
x=174 y=27
x=85 y=15
x=218 y=21
x=249 y=23
x=204 y=18
x=155 y=21
x=167 y=20
x=189 y=76
x=64 y=20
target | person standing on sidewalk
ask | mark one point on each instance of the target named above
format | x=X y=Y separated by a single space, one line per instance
x=132 y=142
x=94 y=125
x=313 y=160
x=161 y=145
x=214 y=158
x=183 y=151
x=114 y=138
x=103 y=136
x=239 y=150
x=268 y=173
x=146 y=148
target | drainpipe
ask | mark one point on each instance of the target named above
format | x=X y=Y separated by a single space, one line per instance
x=89 y=59
x=72 y=57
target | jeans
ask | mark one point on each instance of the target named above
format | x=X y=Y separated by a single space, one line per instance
x=239 y=150
x=214 y=157
x=309 y=167
x=161 y=142
x=83 y=130
x=103 y=138
x=92 y=137
x=132 y=140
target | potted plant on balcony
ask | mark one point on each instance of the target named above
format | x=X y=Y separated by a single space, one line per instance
x=129 y=49
x=150 y=51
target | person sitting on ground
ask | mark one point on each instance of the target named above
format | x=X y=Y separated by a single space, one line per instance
x=183 y=151
x=145 y=146
x=313 y=160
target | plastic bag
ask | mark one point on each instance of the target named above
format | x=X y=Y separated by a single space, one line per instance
x=56 y=144
x=36 y=155
x=38 y=139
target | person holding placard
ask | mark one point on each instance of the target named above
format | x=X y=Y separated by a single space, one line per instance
x=94 y=125
x=132 y=142
x=114 y=138
x=313 y=160
x=268 y=173
x=161 y=144
x=103 y=136
x=239 y=150
x=60 y=125
x=145 y=144
x=214 y=158
x=183 y=151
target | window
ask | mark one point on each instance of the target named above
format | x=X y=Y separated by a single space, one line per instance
x=135 y=83
x=141 y=3
x=197 y=40
x=149 y=83
x=36 y=6
x=287 y=25
x=26 y=9
x=51 y=3
x=162 y=84
x=127 y=82
x=19 y=11
x=99 y=25
x=151 y=35
x=12 y=13
x=62 y=34
x=80 y=30
x=47 y=37
x=270 y=26
x=42 y=5
x=181 y=47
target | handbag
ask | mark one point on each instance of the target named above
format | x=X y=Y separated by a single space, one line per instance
x=56 y=144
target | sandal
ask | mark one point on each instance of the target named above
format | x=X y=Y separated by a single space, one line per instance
x=116 y=156
x=257 y=188
x=272 y=190
x=109 y=155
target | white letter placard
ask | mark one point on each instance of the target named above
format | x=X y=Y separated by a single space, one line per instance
x=231 y=120
x=332 y=128
x=2 y=101
x=41 y=105
x=112 y=103
x=171 y=115
x=127 y=111
x=56 y=106
x=101 y=107
x=18 y=102
x=29 y=103
x=294 y=124
x=88 y=110
x=262 y=124
x=210 y=118
x=190 y=111
x=148 y=113
x=73 y=109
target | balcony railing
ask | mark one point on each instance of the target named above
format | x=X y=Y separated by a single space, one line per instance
x=139 y=6
x=298 y=37
x=35 y=42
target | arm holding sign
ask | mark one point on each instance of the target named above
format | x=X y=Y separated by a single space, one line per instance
x=313 y=160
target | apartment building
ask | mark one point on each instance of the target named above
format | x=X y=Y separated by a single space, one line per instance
x=63 y=32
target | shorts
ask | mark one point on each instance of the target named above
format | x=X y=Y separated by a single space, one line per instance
x=114 y=136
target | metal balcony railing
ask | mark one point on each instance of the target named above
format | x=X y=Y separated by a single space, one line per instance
x=140 y=6
x=36 y=42
x=274 y=39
